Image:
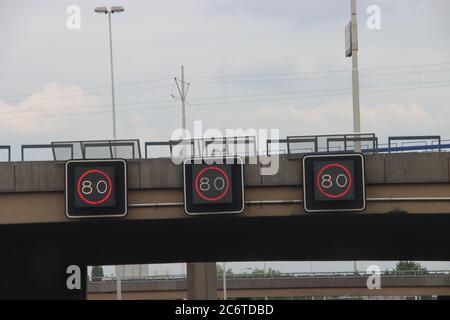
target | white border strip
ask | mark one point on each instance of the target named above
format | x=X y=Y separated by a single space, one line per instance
x=96 y=216
x=333 y=156
x=240 y=162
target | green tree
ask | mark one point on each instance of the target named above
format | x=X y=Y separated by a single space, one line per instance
x=219 y=271
x=410 y=267
x=97 y=273
x=258 y=272
x=274 y=272
x=268 y=273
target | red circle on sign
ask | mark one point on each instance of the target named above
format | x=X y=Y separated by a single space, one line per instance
x=80 y=194
x=340 y=195
x=219 y=197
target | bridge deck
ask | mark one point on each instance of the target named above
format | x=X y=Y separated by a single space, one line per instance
x=281 y=286
x=32 y=192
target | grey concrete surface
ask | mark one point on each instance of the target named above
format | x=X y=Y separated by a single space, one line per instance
x=7 y=177
x=160 y=174
x=201 y=284
x=134 y=174
x=376 y=169
x=38 y=176
x=252 y=177
x=289 y=174
x=417 y=168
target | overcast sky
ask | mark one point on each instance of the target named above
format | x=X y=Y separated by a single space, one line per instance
x=251 y=64
x=55 y=81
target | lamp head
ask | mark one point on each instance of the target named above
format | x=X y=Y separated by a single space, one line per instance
x=117 y=9
x=101 y=10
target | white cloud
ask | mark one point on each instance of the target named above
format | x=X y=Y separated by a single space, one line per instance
x=335 y=116
x=412 y=119
x=56 y=112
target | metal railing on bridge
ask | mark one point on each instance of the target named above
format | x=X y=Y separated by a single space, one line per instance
x=245 y=146
x=46 y=146
x=298 y=145
x=290 y=275
x=8 y=152
x=295 y=146
x=91 y=149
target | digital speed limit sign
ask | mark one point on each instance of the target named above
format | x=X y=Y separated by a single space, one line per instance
x=96 y=188
x=213 y=186
x=334 y=183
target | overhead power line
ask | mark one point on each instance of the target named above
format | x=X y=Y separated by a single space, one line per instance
x=318 y=72
x=214 y=104
x=76 y=88
x=228 y=78
x=140 y=89
x=211 y=99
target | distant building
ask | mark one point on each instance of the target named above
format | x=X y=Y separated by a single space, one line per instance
x=133 y=270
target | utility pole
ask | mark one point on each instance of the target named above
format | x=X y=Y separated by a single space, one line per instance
x=224 y=279
x=355 y=76
x=183 y=90
x=183 y=94
x=351 y=50
x=119 y=282
x=355 y=86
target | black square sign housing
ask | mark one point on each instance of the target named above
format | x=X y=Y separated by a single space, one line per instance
x=96 y=188
x=213 y=186
x=334 y=183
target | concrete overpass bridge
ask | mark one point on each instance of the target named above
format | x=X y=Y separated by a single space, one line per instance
x=348 y=284
x=407 y=217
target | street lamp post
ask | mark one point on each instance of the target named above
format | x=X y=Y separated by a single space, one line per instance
x=355 y=76
x=105 y=10
x=112 y=10
x=353 y=52
x=224 y=279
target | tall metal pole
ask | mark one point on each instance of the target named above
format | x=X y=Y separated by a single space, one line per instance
x=355 y=77
x=113 y=99
x=224 y=279
x=183 y=100
x=355 y=85
x=113 y=96
x=183 y=94
x=105 y=10
x=118 y=282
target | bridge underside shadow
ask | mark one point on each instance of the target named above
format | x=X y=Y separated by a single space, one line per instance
x=30 y=254
x=319 y=238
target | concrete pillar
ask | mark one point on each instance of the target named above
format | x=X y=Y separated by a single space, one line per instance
x=202 y=281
